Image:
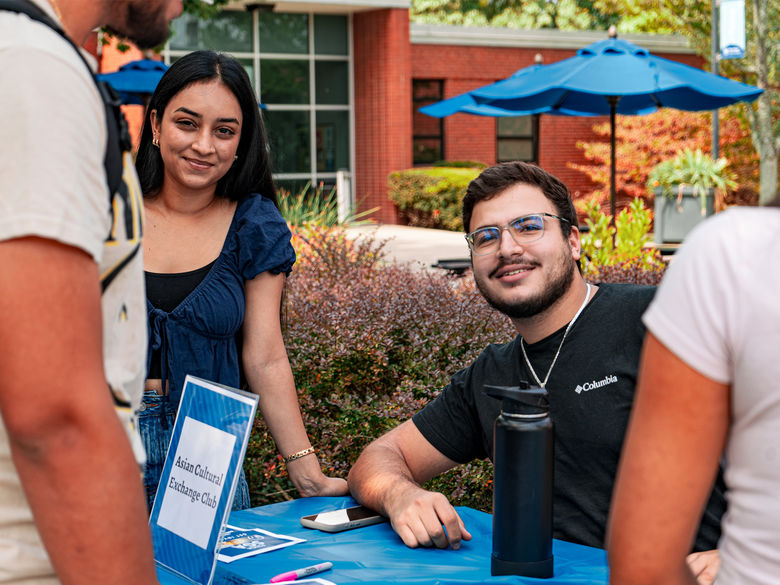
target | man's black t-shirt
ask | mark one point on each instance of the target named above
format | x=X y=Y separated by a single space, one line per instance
x=591 y=390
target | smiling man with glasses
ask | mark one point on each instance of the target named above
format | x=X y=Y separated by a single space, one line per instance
x=579 y=341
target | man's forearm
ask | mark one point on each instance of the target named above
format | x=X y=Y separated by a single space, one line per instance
x=394 y=467
x=83 y=486
x=71 y=453
x=387 y=478
x=379 y=471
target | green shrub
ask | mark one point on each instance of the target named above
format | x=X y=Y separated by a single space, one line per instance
x=316 y=207
x=431 y=197
x=619 y=253
x=460 y=164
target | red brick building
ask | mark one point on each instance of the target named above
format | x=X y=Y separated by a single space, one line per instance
x=342 y=80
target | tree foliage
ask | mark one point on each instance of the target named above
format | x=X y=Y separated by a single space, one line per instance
x=203 y=10
x=533 y=14
x=689 y=17
x=644 y=141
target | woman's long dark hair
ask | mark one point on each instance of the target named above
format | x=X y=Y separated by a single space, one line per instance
x=251 y=173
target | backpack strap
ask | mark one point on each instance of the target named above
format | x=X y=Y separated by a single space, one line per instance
x=118 y=135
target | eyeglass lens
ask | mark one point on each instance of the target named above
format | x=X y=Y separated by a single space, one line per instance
x=523 y=230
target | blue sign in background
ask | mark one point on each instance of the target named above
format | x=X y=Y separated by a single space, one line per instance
x=227 y=410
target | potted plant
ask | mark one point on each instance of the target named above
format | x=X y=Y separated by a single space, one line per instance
x=684 y=188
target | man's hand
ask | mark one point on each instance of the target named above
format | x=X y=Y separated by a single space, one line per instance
x=423 y=518
x=387 y=478
x=704 y=565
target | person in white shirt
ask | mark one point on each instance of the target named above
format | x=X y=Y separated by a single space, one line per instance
x=709 y=389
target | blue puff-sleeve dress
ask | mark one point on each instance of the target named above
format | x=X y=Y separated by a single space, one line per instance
x=199 y=335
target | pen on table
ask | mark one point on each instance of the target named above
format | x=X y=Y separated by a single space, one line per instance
x=305 y=572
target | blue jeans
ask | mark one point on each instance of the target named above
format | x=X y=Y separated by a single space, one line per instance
x=155 y=423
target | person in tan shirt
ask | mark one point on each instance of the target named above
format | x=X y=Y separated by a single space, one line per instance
x=72 y=318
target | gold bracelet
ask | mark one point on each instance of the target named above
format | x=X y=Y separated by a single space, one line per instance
x=299 y=454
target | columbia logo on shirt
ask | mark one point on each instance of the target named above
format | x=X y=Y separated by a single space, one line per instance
x=595 y=384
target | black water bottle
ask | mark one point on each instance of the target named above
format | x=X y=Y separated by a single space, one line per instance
x=522 y=486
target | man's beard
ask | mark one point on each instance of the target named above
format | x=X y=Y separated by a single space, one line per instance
x=145 y=27
x=553 y=290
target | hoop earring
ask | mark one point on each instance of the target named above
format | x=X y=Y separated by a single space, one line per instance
x=155 y=141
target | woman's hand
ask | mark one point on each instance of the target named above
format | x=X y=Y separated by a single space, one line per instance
x=309 y=480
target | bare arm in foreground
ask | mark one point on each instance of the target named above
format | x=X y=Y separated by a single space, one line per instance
x=72 y=455
x=675 y=439
x=387 y=477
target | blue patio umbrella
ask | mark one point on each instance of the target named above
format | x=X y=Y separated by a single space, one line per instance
x=610 y=77
x=466 y=104
x=135 y=81
x=640 y=81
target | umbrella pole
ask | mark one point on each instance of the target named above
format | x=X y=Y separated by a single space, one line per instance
x=613 y=100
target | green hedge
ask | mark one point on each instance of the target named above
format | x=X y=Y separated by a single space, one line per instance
x=431 y=196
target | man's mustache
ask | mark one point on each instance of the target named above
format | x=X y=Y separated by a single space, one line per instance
x=514 y=261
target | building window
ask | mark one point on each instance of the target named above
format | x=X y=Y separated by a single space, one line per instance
x=517 y=138
x=300 y=67
x=428 y=132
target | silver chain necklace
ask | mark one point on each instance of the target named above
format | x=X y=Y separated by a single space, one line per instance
x=560 y=345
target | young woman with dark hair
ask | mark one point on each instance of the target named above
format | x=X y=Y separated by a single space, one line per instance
x=216 y=252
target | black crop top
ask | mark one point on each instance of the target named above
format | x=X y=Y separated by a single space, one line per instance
x=167 y=291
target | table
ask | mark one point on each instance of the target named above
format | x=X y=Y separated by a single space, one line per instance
x=375 y=555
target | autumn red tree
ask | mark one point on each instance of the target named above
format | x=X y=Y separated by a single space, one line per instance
x=644 y=141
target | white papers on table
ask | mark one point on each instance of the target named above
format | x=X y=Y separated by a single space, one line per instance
x=239 y=543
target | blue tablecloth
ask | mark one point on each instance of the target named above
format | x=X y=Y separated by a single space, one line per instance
x=374 y=555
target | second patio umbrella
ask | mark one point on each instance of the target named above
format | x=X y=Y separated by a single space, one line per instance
x=136 y=81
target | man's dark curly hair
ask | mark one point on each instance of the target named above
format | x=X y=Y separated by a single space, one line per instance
x=500 y=177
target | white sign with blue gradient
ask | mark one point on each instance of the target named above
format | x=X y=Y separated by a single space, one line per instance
x=196 y=482
x=199 y=478
x=731 y=29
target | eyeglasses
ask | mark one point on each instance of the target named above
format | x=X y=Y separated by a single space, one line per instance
x=524 y=230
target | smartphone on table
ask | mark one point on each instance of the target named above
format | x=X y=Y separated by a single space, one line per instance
x=345 y=519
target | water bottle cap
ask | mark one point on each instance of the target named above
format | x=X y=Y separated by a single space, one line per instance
x=522 y=399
